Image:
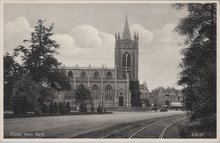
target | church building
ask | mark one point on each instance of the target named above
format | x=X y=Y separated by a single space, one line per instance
x=108 y=86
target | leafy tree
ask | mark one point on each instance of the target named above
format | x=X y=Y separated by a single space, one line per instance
x=12 y=72
x=24 y=96
x=135 y=94
x=68 y=107
x=46 y=95
x=198 y=66
x=64 y=107
x=147 y=103
x=51 y=109
x=39 y=63
x=44 y=108
x=156 y=101
x=61 y=108
x=38 y=56
x=55 y=107
x=83 y=96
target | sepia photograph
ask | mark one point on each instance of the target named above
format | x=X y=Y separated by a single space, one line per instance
x=109 y=70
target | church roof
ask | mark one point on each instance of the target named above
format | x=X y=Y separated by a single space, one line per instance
x=126 y=33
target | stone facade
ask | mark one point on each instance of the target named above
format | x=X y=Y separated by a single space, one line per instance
x=102 y=83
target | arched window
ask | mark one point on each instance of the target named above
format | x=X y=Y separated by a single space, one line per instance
x=83 y=75
x=95 y=92
x=108 y=92
x=109 y=75
x=96 y=75
x=129 y=60
x=126 y=59
x=70 y=74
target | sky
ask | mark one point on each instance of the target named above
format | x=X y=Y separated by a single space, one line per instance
x=86 y=31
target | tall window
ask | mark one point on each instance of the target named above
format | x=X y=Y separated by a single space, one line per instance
x=70 y=74
x=109 y=75
x=83 y=75
x=96 y=75
x=126 y=59
x=129 y=60
x=95 y=92
x=108 y=92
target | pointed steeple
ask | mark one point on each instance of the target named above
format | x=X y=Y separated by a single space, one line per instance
x=126 y=33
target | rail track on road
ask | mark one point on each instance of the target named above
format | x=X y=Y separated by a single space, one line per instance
x=151 y=128
x=156 y=129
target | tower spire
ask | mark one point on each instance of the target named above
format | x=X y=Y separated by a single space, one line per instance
x=126 y=12
x=126 y=33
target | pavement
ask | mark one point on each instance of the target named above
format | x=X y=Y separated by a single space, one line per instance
x=70 y=126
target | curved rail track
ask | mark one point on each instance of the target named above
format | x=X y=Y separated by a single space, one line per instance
x=154 y=128
x=145 y=130
x=165 y=129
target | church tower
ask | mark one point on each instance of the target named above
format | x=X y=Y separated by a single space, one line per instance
x=126 y=54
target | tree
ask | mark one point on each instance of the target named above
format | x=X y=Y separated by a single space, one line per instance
x=51 y=109
x=44 y=108
x=198 y=66
x=24 y=95
x=68 y=107
x=135 y=94
x=65 y=108
x=83 y=96
x=60 y=108
x=156 y=101
x=38 y=56
x=147 y=102
x=12 y=71
x=55 y=107
x=39 y=63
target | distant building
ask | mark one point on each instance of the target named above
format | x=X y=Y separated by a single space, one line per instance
x=170 y=95
x=176 y=105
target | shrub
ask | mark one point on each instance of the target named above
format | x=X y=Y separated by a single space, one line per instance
x=44 y=108
x=55 y=107
x=24 y=96
x=68 y=107
x=51 y=110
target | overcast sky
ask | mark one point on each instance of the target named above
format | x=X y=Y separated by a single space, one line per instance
x=85 y=33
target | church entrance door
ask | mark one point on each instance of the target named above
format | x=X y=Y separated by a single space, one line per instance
x=120 y=101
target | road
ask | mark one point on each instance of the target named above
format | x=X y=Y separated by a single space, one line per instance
x=151 y=128
x=71 y=126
